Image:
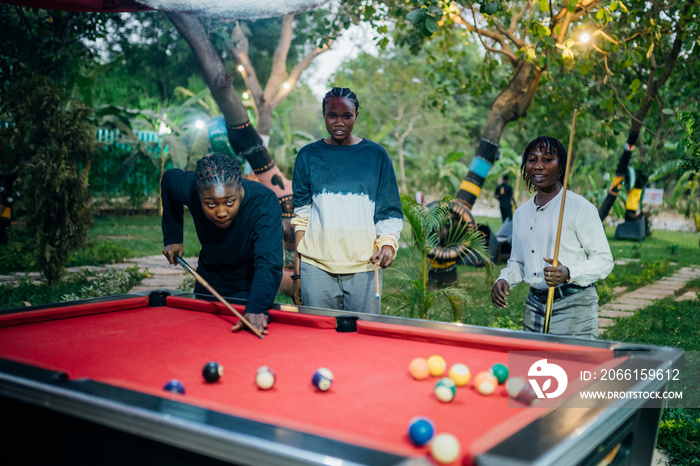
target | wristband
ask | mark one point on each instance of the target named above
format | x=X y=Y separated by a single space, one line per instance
x=568 y=273
x=296 y=276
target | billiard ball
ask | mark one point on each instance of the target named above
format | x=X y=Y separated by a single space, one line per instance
x=420 y=430
x=500 y=371
x=265 y=378
x=520 y=390
x=445 y=390
x=436 y=365
x=212 y=371
x=175 y=386
x=419 y=368
x=322 y=379
x=485 y=383
x=445 y=448
x=460 y=374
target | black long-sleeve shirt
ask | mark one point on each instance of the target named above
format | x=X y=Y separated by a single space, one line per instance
x=248 y=255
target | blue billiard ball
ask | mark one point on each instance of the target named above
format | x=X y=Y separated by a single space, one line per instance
x=174 y=386
x=420 y=430
x=322 y=379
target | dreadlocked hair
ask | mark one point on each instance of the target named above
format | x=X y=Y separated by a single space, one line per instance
x=217 y=168
x=340 y=92
x=544 y=144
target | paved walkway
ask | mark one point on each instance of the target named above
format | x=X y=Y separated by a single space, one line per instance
x=629 y=303
x=161 y=274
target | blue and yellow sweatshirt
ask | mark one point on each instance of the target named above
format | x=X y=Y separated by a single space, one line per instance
x=347 y=201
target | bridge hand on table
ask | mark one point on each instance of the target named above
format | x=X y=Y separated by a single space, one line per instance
x=259 y=321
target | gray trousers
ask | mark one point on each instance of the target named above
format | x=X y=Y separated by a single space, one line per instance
x=575 y=315
x=350 y=292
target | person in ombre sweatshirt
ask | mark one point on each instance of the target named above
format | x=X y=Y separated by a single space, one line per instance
x=348 y=214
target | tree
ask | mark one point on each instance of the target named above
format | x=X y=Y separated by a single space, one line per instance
x=244 y=138
x=151 y=60
x=665 y=34
x=46 y=42
x=52 y=146
x=267 y=95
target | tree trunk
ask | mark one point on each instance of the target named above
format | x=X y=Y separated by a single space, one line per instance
x=652 y=91
x=245 y=140
x=510 y=105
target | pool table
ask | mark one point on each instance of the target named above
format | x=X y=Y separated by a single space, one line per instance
x=82 y=383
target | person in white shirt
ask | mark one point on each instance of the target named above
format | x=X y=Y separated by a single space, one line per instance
x=584 y=253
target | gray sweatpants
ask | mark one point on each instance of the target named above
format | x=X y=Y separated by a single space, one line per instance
x=575 y=315
x=350 y=292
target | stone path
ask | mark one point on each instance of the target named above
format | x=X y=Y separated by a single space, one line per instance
x=629 y=303
x=162 y=274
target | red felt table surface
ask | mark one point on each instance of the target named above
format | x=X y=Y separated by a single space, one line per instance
x=372 y=399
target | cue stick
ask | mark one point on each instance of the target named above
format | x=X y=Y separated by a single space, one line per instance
x=206 y=285
x=376 y=280
x=555 y=261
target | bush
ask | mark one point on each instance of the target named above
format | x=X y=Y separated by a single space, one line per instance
x=679 y=435
x=53 y=148
x=112 y=282
x=78 y=286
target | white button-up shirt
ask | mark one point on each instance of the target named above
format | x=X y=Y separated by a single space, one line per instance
x=583 y=247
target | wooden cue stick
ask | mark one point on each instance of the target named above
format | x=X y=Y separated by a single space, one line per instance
x=206 y=285
x=555 y=261
x=376 y=280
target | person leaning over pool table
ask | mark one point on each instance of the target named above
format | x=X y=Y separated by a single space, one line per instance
x=239 y=226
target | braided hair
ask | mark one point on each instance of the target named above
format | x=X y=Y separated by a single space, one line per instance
x=340 y=92
x=216 y=168
x=545 y=144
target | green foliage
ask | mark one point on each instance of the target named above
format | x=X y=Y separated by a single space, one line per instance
x=79 y=286
x=96 y=252
x=638 y=274
x=53 y=148
x=151 y=61
x=416 y=296
x=47 y=42
x=679 y=435
x=112 y=282
x=689 y=147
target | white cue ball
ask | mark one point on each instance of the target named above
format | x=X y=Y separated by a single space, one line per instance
x=265 y=378
x=445 y=448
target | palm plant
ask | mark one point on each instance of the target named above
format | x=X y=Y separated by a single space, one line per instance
x=432 y=226
x=686 y=196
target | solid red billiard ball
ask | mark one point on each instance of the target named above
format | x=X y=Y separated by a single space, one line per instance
x=212 y=371
x=419 y=368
